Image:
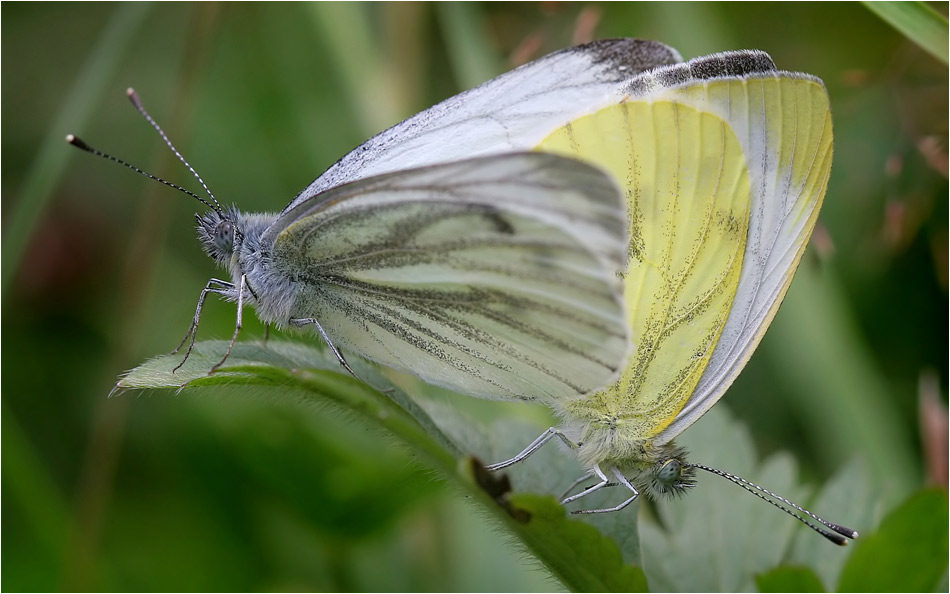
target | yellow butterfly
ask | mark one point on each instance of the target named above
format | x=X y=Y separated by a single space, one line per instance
x=724 y=161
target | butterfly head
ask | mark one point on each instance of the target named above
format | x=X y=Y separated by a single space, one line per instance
x=218 y=233
x=671 y=475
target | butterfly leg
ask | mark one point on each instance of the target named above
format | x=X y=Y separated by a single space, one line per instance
x=575 y=483
x=214 y=285
x=237 y=325
x=604 y=482
x=621 y=479
x=533 y=447
x=301 y=322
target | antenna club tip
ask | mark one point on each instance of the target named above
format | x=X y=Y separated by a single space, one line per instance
x=76 y=142
x=134 y=98
x=844 y=531
x=839 y=537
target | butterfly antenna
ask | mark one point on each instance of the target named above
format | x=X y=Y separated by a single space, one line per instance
x=78 y=143
x=838 y=534
x=134 y=98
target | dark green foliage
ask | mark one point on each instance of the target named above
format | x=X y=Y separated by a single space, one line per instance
x=907 y=553
x=789 y=579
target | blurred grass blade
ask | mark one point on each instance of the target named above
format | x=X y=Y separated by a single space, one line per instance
x=76 y=105
x=466 y=44
x=31 y=491
x=357 y=53
x=821 y=353
x=918 y=22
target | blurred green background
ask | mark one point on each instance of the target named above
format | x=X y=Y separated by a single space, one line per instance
x=101 y=270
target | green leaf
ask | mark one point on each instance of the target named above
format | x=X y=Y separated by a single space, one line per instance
x=789 y=579
x=502 y=429
x=719 y=537
x=908 y=553
x=855 y=504
x=575 y=552
x=918 y=22
x=582 y=557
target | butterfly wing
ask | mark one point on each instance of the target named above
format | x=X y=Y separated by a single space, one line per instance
x=783 y=122
x=724 y=161
x=511 y=112
x=493 y=277
x=687 y=189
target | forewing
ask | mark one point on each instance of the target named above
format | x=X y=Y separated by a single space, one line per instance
x=494 y=277
x=511 y=112
x=783 y=122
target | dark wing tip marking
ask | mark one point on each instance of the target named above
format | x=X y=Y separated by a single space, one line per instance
x=738 y=63
x=734 y=63
x=630 y=55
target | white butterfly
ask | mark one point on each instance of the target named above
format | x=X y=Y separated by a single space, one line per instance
x=474 y=275
x=491 y=276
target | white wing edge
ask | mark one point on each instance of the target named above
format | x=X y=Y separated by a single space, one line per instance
x=516 y=110
x=718 y=381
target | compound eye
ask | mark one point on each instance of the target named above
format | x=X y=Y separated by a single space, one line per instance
x=224 y=236
x=670 y=472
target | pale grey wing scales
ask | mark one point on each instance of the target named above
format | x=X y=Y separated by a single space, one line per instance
x=560 y=192
x=783 y=123
x=484 y=343
x=495 y=277
x=511 y=112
